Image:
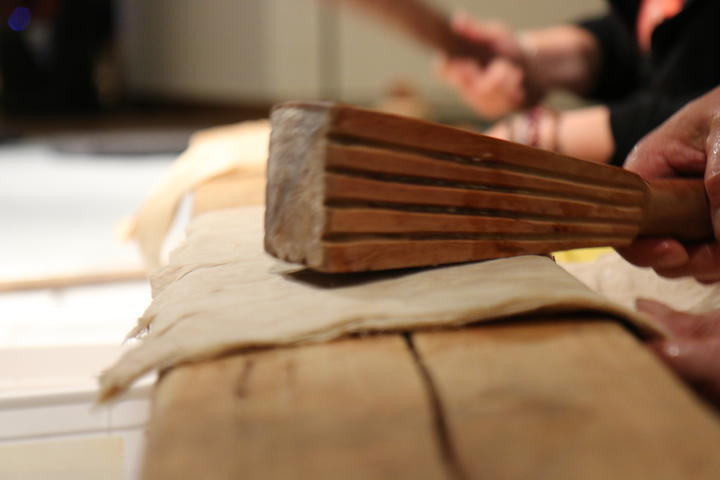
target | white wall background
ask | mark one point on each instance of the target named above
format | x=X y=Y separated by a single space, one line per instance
x=195 y=49
x=271 y=50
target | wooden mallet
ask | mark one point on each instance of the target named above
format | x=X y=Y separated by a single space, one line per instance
x=353 y=190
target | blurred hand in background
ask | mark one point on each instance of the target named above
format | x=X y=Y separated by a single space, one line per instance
x=500 y=86
x=526 y=65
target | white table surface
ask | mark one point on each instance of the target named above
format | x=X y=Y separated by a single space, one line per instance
x=57 y=216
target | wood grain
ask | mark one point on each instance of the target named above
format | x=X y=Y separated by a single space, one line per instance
x=351 y=188
x=386 y=254
x=566 y=399
x=353 y=409
x=556 y=401
x=330 y=163
x=360 y=158
x=367 y=126
x=358 y=220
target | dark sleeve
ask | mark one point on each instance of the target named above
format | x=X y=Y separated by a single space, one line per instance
x=620 y=62
x=632 y=119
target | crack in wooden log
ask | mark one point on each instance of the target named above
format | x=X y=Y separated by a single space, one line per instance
x=444 y=440
x=241 y=389
x=290 y=372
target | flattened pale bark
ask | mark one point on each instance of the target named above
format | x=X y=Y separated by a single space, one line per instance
x=221 y=292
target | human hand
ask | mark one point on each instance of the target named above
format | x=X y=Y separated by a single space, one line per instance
x=694 y=350
x=498 y=87
x=687 y=144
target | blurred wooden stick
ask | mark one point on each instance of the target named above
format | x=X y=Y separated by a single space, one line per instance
x=425 y=24
x=72 y=280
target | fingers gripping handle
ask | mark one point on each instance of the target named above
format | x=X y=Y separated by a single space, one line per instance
x=677 y=208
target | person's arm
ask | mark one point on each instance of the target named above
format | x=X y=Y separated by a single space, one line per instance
x=687 y=144
x=583 y=133
x=564 y=57
x=598 y=133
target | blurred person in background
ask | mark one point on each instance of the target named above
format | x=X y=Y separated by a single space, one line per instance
x=642 y=62
x=645 y=61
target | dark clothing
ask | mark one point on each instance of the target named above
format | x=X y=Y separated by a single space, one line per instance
x=644 y=89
